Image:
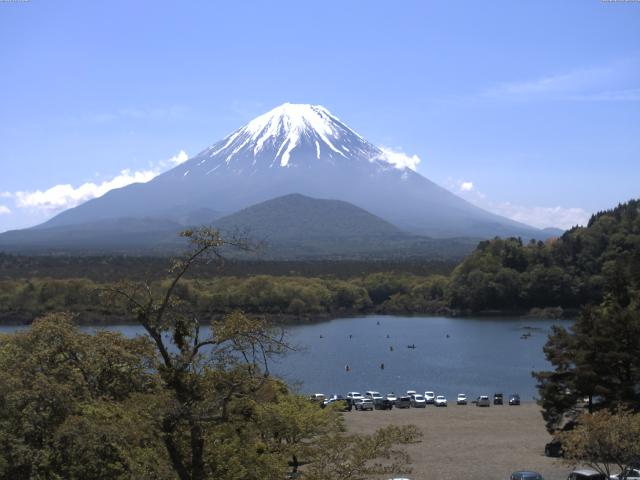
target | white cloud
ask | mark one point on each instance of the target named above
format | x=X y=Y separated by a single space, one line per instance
x=399 y=159
x=4 y=210
x=63 y=196
x=542 y=217
x=181 y=157
x=536 y=216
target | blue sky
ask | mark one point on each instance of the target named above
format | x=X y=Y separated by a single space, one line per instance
x=529 y=109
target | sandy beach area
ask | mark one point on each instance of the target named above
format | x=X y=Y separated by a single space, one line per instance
x=469 y=442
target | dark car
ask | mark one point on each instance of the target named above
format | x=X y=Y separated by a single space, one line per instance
x=526 y=475
x=498 y=399
x=514 y=399
x=553 y=449
x=383 y=404
x=403 y=402
x=586 y=474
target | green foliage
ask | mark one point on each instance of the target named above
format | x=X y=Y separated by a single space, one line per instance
x=604 y=441
x=52 y=378
x=349 y=457
x=277 y=296
x=569 y=272
x=597 y=358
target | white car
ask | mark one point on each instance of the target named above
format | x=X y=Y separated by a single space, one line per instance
x=353 y=396
x=392 y=397
x=373 y=395
x=429 y=397
x=411 y=392
x=364 y=404
x=318 y=397
x=462 y=399
x=418 y=401
x=440 y=401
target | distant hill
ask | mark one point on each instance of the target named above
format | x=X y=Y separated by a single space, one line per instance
x=289 y=227
x=298 y=218
x=297 y=226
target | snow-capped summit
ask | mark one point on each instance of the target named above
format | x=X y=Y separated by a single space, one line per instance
x=290 y=135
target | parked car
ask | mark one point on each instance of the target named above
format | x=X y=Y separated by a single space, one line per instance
x=373 y=395
x=392 y=397
x=403 y=402
x=498 y=399
x=553 y=449
x=429 y=397
x=353 y=396
x=586 y=474
x=514 y=399
x=440 y=401
x=462 y=399
x=317 y=397
x=334 y=399
x=418 y=401
x=483 y=401
x=411 y=392
x=632 y=472
x=526 y=475
x=364 y=404
x=383 y=404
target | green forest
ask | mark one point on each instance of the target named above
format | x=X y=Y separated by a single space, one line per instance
x=501 y=275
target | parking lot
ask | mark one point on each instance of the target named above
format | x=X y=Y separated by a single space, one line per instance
x=470 y=442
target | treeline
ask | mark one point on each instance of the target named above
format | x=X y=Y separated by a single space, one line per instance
x=111 y=268
x=278 y=296
x=573 y=270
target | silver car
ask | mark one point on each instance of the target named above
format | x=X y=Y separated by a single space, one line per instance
x=364 y=404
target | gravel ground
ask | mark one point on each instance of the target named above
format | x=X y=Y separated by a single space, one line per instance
x=469 y=442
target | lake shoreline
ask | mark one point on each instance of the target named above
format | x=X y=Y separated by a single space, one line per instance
x=95 y=319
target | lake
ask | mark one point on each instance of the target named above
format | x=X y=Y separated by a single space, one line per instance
x=451 y=355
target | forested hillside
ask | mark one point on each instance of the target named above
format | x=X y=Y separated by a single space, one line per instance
x=570 y=271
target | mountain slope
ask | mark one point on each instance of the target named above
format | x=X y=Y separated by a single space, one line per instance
x=297 y=149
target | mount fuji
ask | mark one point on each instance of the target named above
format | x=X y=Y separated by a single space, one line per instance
x=292 y=149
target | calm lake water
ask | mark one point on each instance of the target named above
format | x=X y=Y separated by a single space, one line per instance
x=479 y=356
